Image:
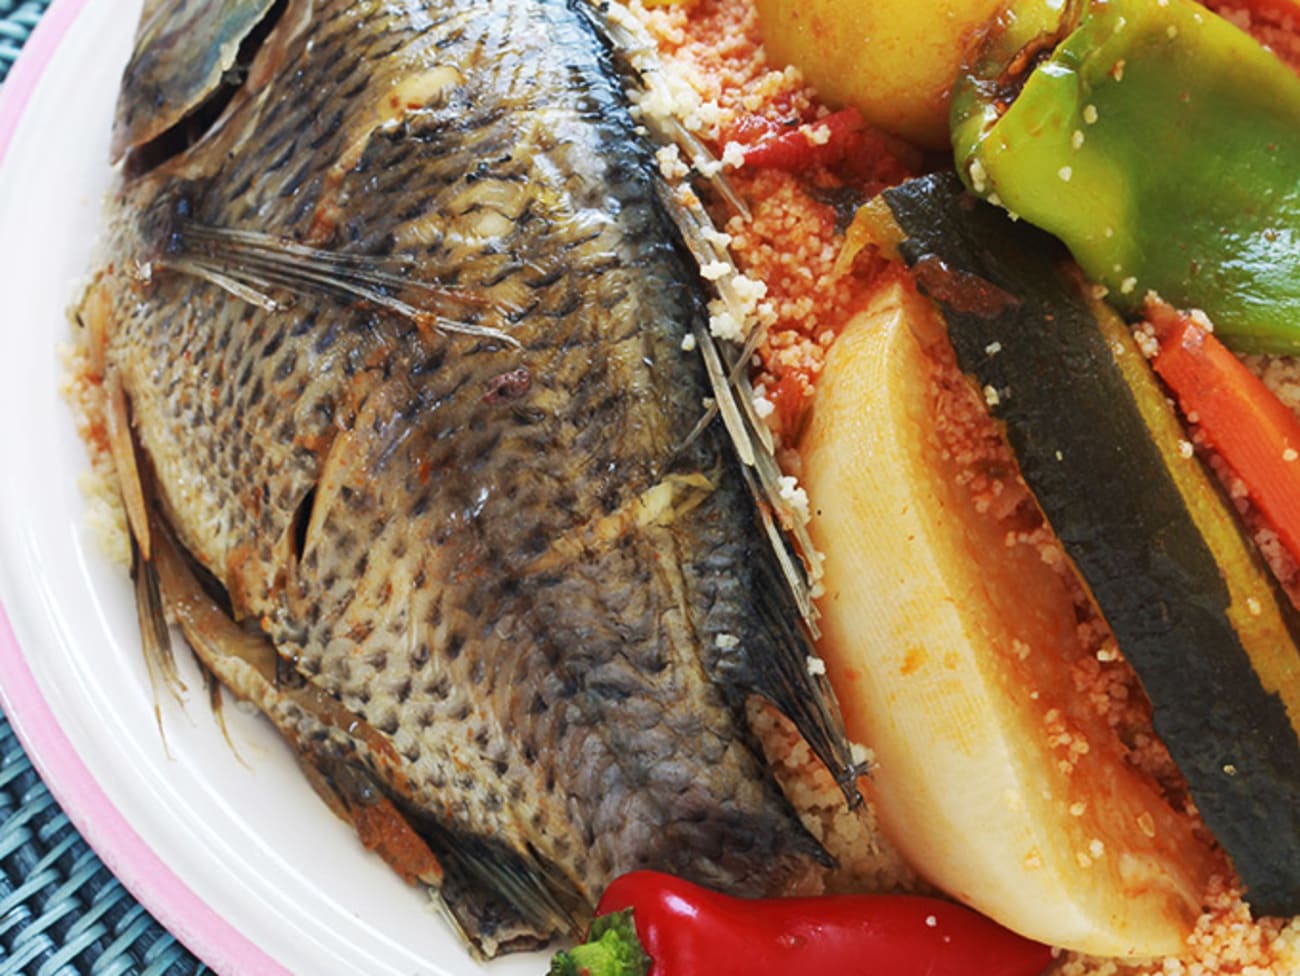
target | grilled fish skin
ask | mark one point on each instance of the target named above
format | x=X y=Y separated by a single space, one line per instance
x=400 y=338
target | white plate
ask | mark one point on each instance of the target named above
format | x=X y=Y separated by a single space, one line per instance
x=234 y=853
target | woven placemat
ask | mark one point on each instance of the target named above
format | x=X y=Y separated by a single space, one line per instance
x=16 y=22
x=62 y=913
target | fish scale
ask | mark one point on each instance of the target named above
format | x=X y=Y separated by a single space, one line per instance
x=481 y=528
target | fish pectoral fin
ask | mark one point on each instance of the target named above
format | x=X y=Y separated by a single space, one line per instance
x=251 y=266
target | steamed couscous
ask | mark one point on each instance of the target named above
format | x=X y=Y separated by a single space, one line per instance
x=794 y=244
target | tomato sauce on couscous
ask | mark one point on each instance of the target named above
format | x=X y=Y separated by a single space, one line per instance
x=792 y=246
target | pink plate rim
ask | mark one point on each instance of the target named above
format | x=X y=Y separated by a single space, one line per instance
x=137 y=866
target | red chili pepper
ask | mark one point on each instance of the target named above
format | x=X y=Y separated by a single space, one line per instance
x=691 y=931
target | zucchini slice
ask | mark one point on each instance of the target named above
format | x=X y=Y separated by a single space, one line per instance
x=1194 y=611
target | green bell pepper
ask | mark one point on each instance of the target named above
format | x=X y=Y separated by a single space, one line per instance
x=1158 y=141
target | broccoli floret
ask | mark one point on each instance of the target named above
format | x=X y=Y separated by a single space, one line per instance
x=611 y=949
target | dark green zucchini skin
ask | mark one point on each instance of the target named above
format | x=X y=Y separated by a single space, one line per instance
x=1087 y=454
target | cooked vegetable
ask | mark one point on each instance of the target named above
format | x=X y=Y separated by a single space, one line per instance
x=802 y=148
x=1240 y=417
x=842 y=139
x=612 y=949
x=894 y=59
x=952 y=654
x=1159 y=142
x=1160 y=549
x=692 y=931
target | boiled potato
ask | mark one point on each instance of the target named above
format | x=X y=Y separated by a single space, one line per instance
x=951 y=652
x=894 y=59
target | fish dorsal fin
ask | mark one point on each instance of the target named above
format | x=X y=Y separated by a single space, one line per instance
x=727 y=340
x=726 y=357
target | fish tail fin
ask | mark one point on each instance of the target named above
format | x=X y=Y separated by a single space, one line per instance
x=502 y=899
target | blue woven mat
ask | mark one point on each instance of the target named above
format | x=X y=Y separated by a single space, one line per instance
x=16 y=23
x=62 y=913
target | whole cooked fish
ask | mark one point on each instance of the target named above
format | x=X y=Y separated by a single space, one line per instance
x=391 y=324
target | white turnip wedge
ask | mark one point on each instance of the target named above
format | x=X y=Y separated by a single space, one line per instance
x=953 y=651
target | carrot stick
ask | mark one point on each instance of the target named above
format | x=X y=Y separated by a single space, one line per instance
x=1249 y=427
